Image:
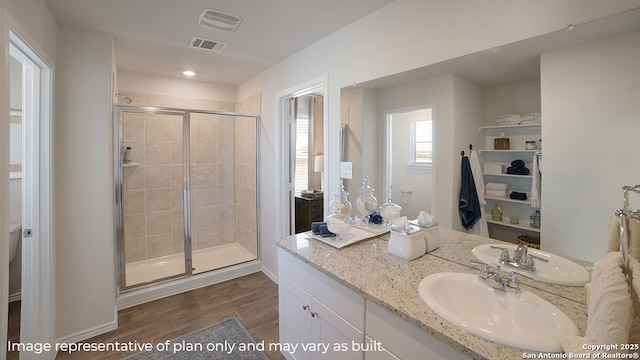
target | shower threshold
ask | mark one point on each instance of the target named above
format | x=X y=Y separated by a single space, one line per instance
x=204 y=260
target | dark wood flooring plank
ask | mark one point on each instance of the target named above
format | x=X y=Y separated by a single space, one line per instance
x=252 y=298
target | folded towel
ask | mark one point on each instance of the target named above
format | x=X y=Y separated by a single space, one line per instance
x=517 y=163
x=324 y=231
x=532 y=118
x=315 y=226
x=633 y=236
x=496 y=186
x=513 y=170
x=610 y=307
x=509 y=119
x=496 y=193
x=518 y=195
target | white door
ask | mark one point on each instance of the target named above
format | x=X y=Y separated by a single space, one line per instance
x=36 y=320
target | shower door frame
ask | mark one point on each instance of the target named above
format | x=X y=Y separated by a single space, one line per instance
x=118 y=158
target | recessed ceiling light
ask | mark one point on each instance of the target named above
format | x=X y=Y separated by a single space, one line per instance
x=188 y=73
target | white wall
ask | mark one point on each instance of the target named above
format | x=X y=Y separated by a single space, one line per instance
x=83 y=190
x=184 y=88
x=436 y=92
x=401 y=36
x=590 y=135
x=518 y=98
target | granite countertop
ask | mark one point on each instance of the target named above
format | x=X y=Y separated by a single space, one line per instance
x=392 y=282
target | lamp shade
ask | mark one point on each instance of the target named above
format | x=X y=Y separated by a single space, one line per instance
x=318 y=163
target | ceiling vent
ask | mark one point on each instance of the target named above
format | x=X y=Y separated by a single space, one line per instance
x=205 y=44
x=219 y=20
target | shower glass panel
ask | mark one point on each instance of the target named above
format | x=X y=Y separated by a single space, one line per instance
x=152 y=196
x=186 y=200
x=223 y=190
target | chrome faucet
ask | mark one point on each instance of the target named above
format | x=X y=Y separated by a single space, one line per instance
x=521 y=258
x=497 y=280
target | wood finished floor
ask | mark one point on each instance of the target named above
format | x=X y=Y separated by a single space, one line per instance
x=252 y=298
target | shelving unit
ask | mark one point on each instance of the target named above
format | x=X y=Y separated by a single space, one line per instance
x=517 y=135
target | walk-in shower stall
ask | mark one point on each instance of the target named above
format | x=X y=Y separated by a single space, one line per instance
x=185 y=184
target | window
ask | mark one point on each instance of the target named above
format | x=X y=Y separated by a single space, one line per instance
x=421 y=142
x=302 y=155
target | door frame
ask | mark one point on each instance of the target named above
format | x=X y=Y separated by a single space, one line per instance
x=387 y=161
x=285 y=200
x=37 y=324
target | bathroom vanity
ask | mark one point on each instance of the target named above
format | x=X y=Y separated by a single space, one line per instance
x=360 y=302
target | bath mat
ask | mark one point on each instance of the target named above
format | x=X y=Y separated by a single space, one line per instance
x=227 y=339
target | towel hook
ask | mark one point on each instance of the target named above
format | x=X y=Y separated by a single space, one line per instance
x=462 y=153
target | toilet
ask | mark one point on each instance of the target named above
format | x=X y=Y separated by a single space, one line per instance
x=14 y=239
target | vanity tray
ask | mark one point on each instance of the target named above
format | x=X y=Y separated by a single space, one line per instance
x=354 y=235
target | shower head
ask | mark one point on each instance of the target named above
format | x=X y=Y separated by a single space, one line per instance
x=126 y=98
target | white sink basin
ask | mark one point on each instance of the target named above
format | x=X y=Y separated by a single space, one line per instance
x=557 y=270
x=522 y=320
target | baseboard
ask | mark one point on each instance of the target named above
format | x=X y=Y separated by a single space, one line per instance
x=94 y=331
x=162 y=290
x=270 y=275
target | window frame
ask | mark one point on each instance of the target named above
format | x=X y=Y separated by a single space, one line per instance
x=413 y=145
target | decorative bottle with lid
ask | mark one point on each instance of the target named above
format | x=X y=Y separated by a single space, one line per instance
x=496 y=213
x=340 y=202
x=390 y=211
x=366 y=203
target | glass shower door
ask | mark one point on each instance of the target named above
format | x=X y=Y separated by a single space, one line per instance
x=152 y=195
x=223 y=190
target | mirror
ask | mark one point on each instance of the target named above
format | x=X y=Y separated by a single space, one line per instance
x=466 y=92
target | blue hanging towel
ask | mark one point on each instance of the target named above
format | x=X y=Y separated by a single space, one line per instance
x=468 y=203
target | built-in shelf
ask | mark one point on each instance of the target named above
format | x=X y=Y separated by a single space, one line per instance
x=523 y=224
x=508 y=127
x=521 y=151
x=130 y=165
x=508 y=199
x=509 y=175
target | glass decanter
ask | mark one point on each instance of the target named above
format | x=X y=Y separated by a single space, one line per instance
x=340 y=201
x=390 y=211
x=366 y=203
x=339 y=224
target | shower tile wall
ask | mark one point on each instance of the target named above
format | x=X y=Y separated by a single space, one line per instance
x=246 y=184
x=223 y=178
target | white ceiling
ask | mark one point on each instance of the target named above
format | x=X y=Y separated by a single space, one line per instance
x=152 y=36
x=519 y=61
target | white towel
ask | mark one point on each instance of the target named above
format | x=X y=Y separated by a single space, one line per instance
x=633 y=236
x=497 y=186
x=496 y=193
x=509 y=119
x=536 y=183
x=480 y=227
x=610 y=307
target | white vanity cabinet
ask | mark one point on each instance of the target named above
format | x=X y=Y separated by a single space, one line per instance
x=316 y=309
x=317 y=312
x=521 y=209
x=402 y=340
